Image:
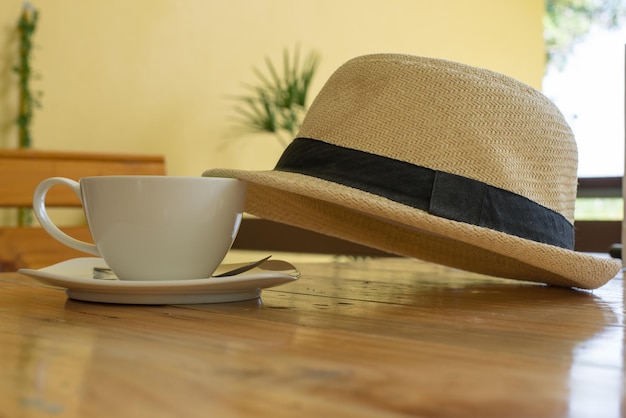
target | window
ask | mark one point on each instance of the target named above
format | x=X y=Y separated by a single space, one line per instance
x=589 y=90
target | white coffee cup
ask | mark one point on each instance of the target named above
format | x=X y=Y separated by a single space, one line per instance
x=153 y=227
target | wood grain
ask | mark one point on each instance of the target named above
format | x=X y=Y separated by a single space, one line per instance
x=22 y=170
x=372 y=338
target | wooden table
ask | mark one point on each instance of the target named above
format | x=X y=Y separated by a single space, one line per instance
x=370 y=338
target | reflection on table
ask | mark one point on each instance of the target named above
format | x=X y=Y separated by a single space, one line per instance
x=366 y=338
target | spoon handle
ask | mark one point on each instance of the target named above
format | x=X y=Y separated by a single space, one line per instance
x=242 y=269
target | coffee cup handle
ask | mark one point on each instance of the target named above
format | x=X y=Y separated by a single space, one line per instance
x=39 y=207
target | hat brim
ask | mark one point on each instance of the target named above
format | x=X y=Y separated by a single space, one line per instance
x=372 y=220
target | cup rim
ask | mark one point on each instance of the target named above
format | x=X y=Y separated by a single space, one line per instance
x=162 y=176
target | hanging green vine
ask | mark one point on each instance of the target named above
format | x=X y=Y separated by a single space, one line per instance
x=28 y=100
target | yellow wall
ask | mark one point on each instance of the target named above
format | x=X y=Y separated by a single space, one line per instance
x=155 y=76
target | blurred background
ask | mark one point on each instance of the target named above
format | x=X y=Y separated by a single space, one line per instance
x=160 y=76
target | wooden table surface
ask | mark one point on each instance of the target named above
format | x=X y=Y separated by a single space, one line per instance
x=369 y=338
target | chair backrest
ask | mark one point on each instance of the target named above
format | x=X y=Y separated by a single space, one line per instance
x=598 y=235
x=22 y=170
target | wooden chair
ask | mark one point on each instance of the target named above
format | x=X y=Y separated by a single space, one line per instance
x=22 y=170
x=598 y=235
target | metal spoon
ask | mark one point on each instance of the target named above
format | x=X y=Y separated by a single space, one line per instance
x=242 y=268
x=105 y=273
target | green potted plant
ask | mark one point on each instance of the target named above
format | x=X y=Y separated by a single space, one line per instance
x=278 y=101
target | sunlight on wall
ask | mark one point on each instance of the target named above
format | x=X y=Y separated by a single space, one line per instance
x=156 y=77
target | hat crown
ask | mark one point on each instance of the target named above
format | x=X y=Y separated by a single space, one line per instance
x=453 y=118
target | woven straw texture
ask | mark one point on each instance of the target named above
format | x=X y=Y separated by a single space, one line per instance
x=449 y=117
x=454 y=118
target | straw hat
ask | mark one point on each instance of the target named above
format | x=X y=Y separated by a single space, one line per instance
x=439 y=161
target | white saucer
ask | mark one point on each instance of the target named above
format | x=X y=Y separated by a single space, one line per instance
x=76 y=275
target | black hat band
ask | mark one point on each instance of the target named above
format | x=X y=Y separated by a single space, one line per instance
x=441 y=194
